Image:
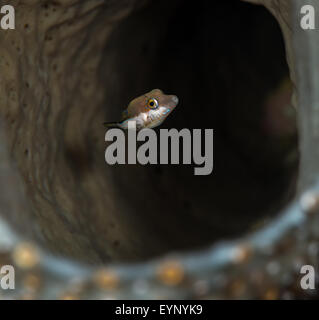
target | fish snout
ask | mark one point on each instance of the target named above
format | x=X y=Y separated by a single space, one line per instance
x=175 y=99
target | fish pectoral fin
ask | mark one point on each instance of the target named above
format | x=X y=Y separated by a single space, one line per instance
x=124 y=115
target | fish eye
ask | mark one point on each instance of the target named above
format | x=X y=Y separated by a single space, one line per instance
x=152 y=103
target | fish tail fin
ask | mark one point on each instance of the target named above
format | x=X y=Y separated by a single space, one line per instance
x=111 y=124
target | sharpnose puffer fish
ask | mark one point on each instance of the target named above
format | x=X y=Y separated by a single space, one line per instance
x=148 y=110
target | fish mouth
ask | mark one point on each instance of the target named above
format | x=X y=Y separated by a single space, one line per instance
x=167 y=111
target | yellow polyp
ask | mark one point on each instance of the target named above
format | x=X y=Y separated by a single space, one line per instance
x=25 y=256
x=68 y=297
x=106 y=279
x=242 y=254
x=171 y=273
x=271 y=294
x=32 y=282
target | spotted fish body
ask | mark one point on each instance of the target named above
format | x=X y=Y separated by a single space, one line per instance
x=148 y=110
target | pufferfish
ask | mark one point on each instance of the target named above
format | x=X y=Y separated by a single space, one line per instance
x=148 y=110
